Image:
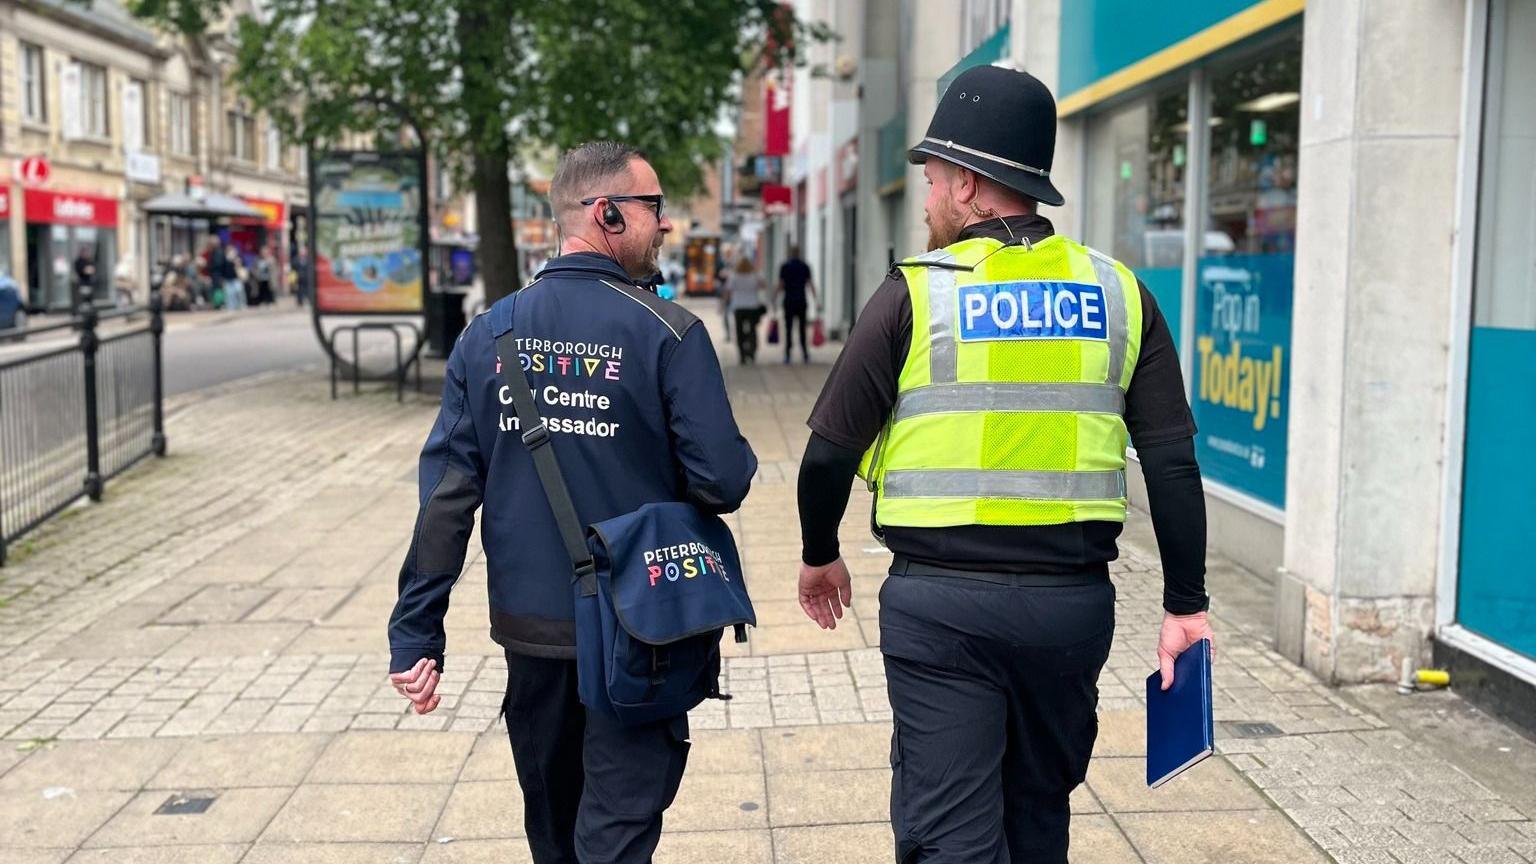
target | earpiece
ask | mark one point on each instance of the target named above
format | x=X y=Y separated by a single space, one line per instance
x=611 y=215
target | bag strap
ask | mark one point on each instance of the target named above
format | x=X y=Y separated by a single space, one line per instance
x=536 y=439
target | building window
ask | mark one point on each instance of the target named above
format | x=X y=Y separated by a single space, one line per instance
x=137 y=114
x=183 y=141
x=980 y=19
x=240 y=136
x=34 y=90
x=93 y=101
x=1243 y=285
x=274 y=149
x=1137 y=158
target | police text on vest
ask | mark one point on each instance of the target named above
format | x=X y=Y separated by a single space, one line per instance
x=1032 y=310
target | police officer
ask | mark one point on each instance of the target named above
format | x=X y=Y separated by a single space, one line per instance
x=632 y=393
x=986 y=395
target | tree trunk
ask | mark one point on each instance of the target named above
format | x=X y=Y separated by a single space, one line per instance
x=483 y=41
x=493 y=212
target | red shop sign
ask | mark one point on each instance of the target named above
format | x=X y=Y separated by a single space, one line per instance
x=271 y=211
x=5 y=202
x=66 y=208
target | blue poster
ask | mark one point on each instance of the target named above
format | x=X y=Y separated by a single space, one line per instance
x=1242 y=372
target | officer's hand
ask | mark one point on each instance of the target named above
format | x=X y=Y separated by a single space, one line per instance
x=1178 y=633
x=824 y=591
x=419 y=685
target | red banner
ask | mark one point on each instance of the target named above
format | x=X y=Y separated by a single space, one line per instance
x=67 y=208
x=5 y=202
x=776 y=96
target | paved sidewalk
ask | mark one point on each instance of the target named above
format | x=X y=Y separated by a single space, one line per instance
x=211 y=639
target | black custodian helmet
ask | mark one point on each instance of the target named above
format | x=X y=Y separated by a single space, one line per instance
x=999 y=123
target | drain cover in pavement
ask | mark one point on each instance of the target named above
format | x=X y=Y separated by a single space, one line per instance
x=1254 y=730
x=185 y=805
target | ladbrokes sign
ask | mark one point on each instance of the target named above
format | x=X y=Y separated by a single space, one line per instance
x=64 y=208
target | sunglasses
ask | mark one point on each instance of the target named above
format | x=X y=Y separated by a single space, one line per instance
x=657 y=202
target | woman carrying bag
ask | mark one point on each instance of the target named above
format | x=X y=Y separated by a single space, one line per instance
x=743 y=300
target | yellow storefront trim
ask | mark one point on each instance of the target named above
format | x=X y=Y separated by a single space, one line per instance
x=1213 y=38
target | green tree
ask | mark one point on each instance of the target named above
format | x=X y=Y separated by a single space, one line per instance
x=486 y=80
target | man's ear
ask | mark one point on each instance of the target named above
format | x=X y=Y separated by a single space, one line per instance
x=967 y=186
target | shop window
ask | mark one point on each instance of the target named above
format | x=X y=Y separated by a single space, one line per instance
x=34 y=90
x=1137 y=158
x=1242 y=339
x=1498 y=495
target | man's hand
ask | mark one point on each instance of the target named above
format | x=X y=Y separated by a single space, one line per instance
x=1178 y=633
x=419 y=685
x=824 y=591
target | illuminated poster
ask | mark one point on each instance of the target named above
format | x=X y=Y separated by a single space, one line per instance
x=367 y=232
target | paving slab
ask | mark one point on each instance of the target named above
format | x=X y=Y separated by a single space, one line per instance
x=59 y=817
x=393 y=757
x=241 y=760
x=478 y=852
x=96 y=765
x=223 y=853
x=844 y=844
x=717 y=802
x=1219 y=838
x=709 y=847
x=1121 y=785
x=829 y=797
x=827 y=748
x=333 y=853
x=235 y=816
x=483 y=810
x=359 y=813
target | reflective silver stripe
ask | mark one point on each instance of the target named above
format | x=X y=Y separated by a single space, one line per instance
x=956 y=398
x=984 y=155
x=1114 y=310
x=943 y=305
x=1032 y=485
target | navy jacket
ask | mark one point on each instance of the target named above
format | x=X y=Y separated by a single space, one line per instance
x=631 y=389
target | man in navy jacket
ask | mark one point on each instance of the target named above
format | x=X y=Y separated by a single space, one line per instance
x=632 y=393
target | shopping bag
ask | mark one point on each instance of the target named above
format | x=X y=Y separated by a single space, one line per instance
x=818 y=334
x=773 y=331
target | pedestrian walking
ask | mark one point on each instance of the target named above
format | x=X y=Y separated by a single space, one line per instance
x=796 y=294
x=85 y=274
x=264 y=271
x=636 y=411
x=224 y=262
x=742 y=299
x=301 y=276
x=986 y=396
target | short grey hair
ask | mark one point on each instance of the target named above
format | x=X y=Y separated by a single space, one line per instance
x=582 y=168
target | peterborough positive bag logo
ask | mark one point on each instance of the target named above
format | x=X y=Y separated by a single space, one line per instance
x=683 y=561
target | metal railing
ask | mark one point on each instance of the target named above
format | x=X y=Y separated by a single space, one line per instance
x=75 y=416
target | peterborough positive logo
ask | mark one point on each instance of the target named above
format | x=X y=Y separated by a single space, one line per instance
x=683 y=561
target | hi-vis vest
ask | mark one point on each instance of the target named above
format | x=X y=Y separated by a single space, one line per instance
x=1011 y=404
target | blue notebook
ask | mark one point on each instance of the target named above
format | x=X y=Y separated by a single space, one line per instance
x=1180 y=725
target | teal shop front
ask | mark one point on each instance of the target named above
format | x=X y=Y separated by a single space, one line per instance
x=1495 y=579
x=1193 y=120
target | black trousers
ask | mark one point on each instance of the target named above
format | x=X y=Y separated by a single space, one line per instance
x=593 y=790
x=794 y=316
x=994 y=694
x=746 y=333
